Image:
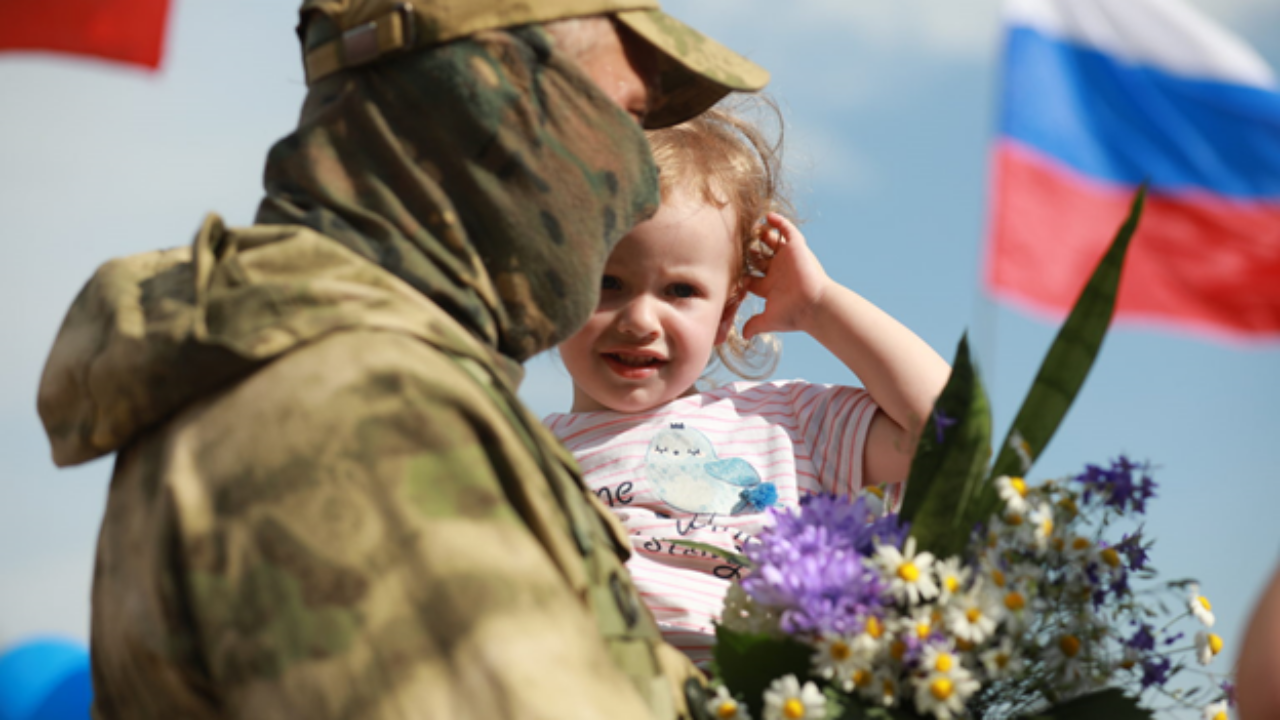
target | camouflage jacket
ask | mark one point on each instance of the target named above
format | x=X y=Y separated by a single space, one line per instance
x=327 y=503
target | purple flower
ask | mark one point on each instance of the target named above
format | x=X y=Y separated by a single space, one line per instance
x=1091 y=572
x=1229 y=692
x=851 y=520
x=1120 y=586
x=1143 y=639
x=1131 y=547
x=1117 y=487
x=810 y=564
x=1155 y=671
x=886 y=530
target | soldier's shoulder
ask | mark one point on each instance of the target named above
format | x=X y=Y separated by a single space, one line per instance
x=361 y=364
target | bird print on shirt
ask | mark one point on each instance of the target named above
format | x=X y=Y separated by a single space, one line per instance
x=688 y=475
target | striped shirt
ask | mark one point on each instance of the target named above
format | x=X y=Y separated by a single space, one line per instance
x=704 y=468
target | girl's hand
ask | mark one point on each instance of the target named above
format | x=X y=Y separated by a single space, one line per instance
x=794 y=281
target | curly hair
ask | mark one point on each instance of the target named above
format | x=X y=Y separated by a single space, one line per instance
x=727 y=160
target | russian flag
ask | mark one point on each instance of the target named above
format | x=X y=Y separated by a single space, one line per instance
x=130 y=31
x=1102 y=95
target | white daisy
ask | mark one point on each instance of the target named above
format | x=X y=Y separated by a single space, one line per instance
x=920 y=624
x=1066 y=654
x=861 y=680
x=835 y=655
x=1002 y=660
x=1021 y=448
x=1010 y=526
x=884 y=689
x=1017 y=615
x=994 y=575
x=1013 y=490
x=874 y=497
x=1216 y=711
x=1067 y=504
x=898 y=650
x=944 y=693
x=1109 y=559
x=872 y=638
x=1200 y=606
x=725 y=707
x=953 y=575
x=973 y=616
x=787 y=700
x=1040 y=525
x=937 y=658
x=1022 y=574
x=909 y=575
x=1079 y=550
x=1207 y=646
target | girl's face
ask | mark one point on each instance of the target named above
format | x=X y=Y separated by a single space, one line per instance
x=665 y=303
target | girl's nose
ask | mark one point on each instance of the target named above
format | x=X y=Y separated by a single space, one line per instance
x=639 y=318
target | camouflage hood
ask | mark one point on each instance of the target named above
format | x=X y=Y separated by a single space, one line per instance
x=543 y=175
x=492 y=175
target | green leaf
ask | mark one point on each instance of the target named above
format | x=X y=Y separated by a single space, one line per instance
x=1111 y=704
x=733 y=557
x=843 y=706
x=945 y=489
x=1070 y=357
x=749 y=662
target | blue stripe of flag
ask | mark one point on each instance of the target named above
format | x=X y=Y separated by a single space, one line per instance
x=1125 y=123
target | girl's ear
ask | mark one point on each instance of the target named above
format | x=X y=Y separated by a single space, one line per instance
x=727 y=317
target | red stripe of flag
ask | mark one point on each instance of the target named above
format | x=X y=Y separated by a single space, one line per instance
x=130 y=31
x=1199 y=261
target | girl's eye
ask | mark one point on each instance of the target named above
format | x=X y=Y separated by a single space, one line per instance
x=609 y=282
x=683 y=290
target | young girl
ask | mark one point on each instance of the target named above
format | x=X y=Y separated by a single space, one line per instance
x=676 y=462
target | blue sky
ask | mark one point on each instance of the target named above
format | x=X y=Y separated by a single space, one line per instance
x=889 y=107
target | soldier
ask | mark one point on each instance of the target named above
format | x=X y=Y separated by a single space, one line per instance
x=327 y=501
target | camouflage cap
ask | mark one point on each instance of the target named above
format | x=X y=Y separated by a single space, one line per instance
x=696 y=71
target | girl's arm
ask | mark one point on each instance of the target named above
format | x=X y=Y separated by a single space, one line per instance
x=900 y=371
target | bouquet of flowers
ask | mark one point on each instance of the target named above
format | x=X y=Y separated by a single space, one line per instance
x=986 y=596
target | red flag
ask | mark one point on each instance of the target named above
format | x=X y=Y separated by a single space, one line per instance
x=130 y=31
x=1212 y=267
x=1100 y=96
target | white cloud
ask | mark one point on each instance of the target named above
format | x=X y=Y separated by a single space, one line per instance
x=936 y=29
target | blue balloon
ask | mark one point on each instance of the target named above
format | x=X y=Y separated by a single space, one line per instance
x=45 y=679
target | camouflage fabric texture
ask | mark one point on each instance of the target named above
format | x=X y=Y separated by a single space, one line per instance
x=696 y=71
x=716 y=70
x=327 y=501
x=441 y=21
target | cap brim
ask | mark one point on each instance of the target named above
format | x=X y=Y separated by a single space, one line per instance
x=695 y=70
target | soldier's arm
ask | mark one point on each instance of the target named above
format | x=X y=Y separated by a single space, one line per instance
x=369 y=561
